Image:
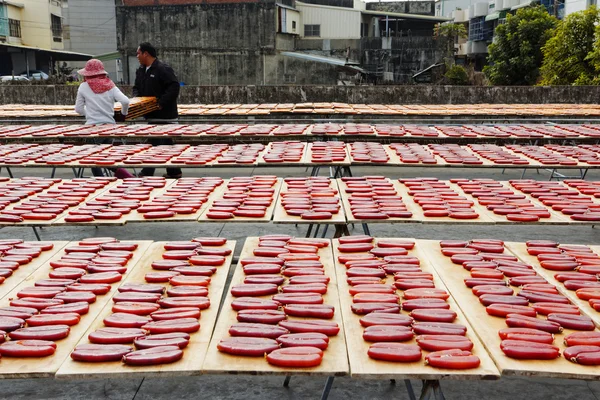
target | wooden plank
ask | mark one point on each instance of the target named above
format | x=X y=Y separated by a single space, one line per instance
x=281 y=216
x=59 y=217
x=418 y=211
x=558 y=218
x=335 y=359
x=555 y=217
x=21 y=273
x=262 y=163
x=362 y=366
x=520 y=250
x=487 y=327
x=45 y=367
x=345 y=198
x=194 y=353
x=135 y=216
x=219 y=196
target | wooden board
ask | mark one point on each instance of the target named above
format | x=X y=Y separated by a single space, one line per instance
x=193 y=354
x=133 y=216
x=45 y=367
x=24 y=271
x=362 y=366
x=59 y=217
x=520 y=250
x=281 y=216
x=303 y=161
x=218 y=196
x=555 y=217
x=418 y=212
x=558 y=218
x=487 y=327
x=350 y=217
x=335 y=359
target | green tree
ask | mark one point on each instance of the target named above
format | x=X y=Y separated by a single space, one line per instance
x=594 y=58
x=516 y=55
x=569 y=56
x=448 y=35
x=457 y=75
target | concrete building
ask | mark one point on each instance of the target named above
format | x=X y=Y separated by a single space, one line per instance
x=268 y=42
x=31 y=36
x=89 y=26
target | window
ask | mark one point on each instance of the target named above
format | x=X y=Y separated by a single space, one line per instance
x=14 y=27
x=312 y=30
x=293 y=26
x=56 y=27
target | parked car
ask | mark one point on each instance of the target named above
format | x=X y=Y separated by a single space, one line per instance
x=35 y=75
x=6 y=78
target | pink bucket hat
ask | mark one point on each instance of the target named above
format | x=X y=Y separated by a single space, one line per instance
x=93 y=67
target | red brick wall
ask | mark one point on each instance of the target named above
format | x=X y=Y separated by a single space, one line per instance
x=133 y=3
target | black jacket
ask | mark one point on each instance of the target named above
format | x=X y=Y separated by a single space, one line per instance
x=159 y=81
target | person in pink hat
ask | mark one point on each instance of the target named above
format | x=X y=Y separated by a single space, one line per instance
x=96 y=99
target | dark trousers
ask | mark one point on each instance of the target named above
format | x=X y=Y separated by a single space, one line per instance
x=159 y=142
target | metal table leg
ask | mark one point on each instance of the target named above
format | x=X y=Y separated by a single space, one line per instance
x=327 y=388
x=341 y=230
x=409 y=389
x=53 y=172
x=309 y=230
x=9 y=172
x=366 y=229
x=431 y=387
x=286 y=382
x=37 y=235
x=318 y=226
x=325 y=230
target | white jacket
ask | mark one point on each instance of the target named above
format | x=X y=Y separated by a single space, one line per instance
x=98 y=108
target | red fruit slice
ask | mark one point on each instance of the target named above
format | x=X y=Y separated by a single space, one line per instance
x=27 y=348
x=549 y=308
x=502 y=310
x=160 y=277
x=575 y=322
x=310 y=310
x=254 y=289
x=36 y=303
x=425 y=294
x=433 y=315
x=387 y=333
x=261 y=316
x=53 y=332
x=75 y=297
x=525 y=350
x=80 y=308
x=187 y=325
x=366 y=308
x=100 y=352
x=142 y=288
x=135 y=308
x=194 y=280
x=425 y=304
x=115 y=335
x=274 y=279
x=17 y=312
x=583 y=339
x=521 y=321
x=176 y=313
x=69 y=319
x=328 y=328
x=488 y=299
x=251 y=303
x=396 y=352
x=179 y=339
x=199 y=302
x=247 y=346
x=444 y=342
x=136 y=297
x=585 y=355
x=124 y=320
x=531 y=335
x=296 y=357
x=154 y=356
x=257 y=330
x=377 y=318
x=492 y=289
x=312 y=339
x=8 y=324
x=185 y=291
x=355 y=247
x=298 y=298
x=452 y=359
x=439 y=328
x=103 y=277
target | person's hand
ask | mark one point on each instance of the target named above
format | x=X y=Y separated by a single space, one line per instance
x=119 y=117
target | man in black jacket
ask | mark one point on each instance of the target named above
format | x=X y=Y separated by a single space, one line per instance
x=156 y=79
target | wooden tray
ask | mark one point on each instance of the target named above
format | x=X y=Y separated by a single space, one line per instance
x=24 y=271
x=281 y=216
x=335 y=359
x=487 y=327
x=193 y=354
x=266 y=218
x=44 y=367
x=362 y=366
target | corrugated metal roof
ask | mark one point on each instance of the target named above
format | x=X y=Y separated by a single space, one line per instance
x=328 y=60
x=67 y=55
x=407 y=16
